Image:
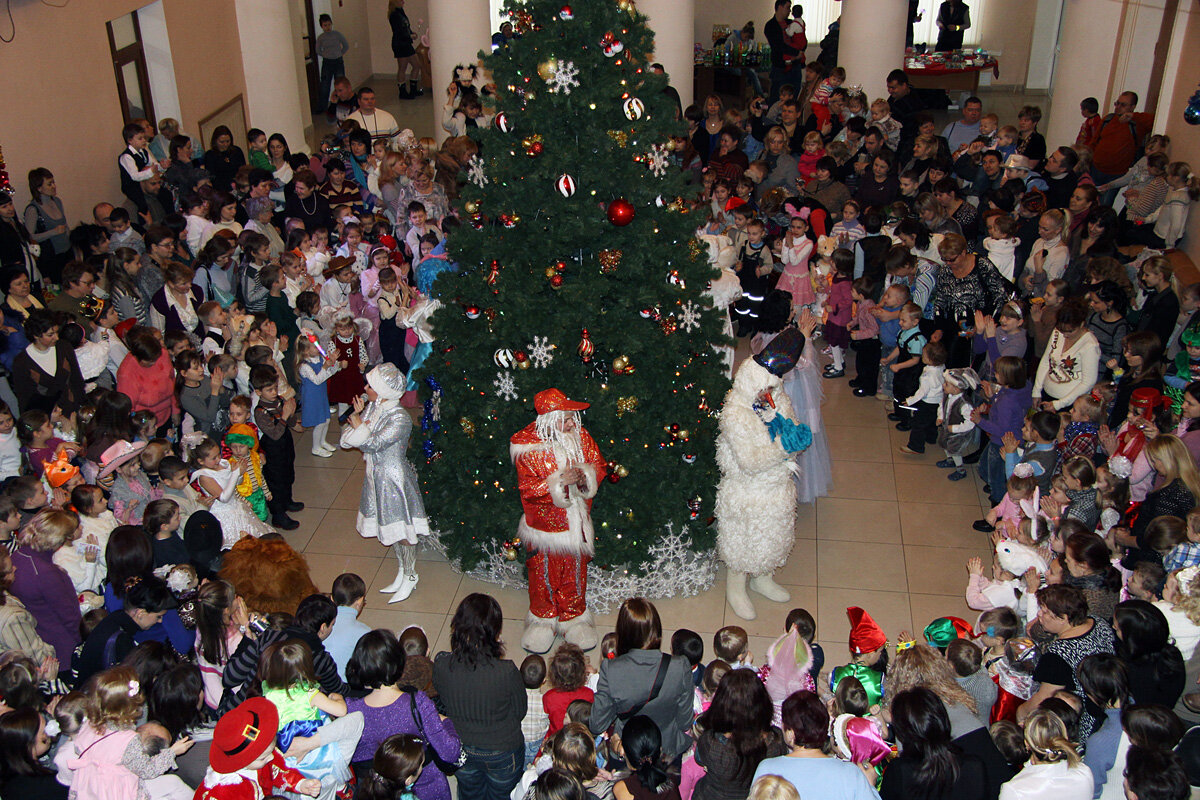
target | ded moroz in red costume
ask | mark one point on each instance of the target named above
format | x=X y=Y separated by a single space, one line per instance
x=556 y=526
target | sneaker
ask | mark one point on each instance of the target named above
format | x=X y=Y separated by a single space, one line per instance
x=321 y=453
x=285 y=523
x=906 y=449
x=945 y=463
x=983 y=526
x=295 y=506
x=863 y=393
x=837 y=373
x=957 y=475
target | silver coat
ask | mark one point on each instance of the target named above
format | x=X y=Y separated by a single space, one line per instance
x=391 y=509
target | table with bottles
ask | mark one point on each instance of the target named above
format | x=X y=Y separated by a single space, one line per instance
x=721 y=69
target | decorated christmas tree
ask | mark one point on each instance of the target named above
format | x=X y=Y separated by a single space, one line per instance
x=578 y=269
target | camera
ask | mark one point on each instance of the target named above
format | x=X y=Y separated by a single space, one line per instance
x=258 y=625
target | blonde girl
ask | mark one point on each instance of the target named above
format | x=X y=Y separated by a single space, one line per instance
x=814 y=149
x=1007 y=514
x=1050 y=254
x=1170 y=220
x=796 y=279
x=108 y=759
x=1178 y=489
x=1053 y=762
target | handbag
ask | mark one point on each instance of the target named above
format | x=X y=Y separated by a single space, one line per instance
x=431 y=754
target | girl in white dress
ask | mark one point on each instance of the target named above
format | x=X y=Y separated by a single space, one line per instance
x=216 y=478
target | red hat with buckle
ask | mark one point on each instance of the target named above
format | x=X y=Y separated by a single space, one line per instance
x=865 y=635
x=243 y=735
x=549 y=400
x=1145 y=400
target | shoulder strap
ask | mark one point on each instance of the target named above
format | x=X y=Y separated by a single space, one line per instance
x=659 y=678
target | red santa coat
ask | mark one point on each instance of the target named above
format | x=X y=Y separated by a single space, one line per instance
x=557 y=516
x=274 y=777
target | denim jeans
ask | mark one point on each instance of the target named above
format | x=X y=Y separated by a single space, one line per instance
x=330 y=68
x=991 y=471
x=489 y=774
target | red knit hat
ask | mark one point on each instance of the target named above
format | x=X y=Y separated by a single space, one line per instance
x=243 y=735
x=865 y=635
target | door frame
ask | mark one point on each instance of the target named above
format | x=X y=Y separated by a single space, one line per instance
x=132 y=54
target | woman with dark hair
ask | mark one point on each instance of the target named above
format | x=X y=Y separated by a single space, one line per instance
x=358 y=143
x=220 y=617
x=929 y=765
x=640 y=663
x=175 y=307
x=147 y=600
x=1141 y=358
x=223 y=158
x=1095 y=237
x=1089 y=568
x=1063 y=613
x=45 y=373
x=1107 y=304
x=728 y=161
x=306 y=203
x=19 y=301
x=23 y=742
x=146 y=375
x=737 y=736
x=214 y=271
x=483 y=693
x=16 y=246
x=46 y=220
x=1155 y=665
x=1104 y=681
x=879 y=187
x=173 y=704
x=121 y=275
x=183 y=175
x=808 y=765
x=279 y=154
x=1188 y=429
x=129 y=556
x=1071 y=363
x=390 y=709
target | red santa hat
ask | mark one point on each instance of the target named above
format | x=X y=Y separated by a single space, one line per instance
x=243 y=735
x=549 y=400
x=865 y=635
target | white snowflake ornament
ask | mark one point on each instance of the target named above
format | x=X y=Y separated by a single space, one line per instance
x=565 y=78
x=541 y=352
x=475 y=173
x=506 y=387
x=689 y=316
x=656 y=160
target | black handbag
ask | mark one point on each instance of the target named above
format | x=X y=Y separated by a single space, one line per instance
x=431 y=754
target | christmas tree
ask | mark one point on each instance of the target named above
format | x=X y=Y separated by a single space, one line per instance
x=578 y=270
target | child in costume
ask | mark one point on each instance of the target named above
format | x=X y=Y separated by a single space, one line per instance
x=1184 y=369
x=219 y=479
x=957 y=434
x=131 y=489
x=868 y=656
x=348 y=383
x=788 y=669
x=243 y=761
x=243 y=447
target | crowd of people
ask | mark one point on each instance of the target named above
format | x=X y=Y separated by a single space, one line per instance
x=162 y=357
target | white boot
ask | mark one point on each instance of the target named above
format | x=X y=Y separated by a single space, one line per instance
x=580 y=631
x=407 y=555
x=768 y=588
x=398 y=552
x=539 y=633
x=735 y=594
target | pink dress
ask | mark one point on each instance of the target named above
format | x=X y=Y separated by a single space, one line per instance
x=796 y=278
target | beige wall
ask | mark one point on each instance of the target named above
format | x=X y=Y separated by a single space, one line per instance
x=382 y=62
x=1185 y=139
x=61 y=93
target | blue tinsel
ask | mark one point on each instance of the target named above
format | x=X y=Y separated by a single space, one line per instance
x=427 y=448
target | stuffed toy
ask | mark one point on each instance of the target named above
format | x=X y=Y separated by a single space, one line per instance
x=451 y=160
x=1017 y=558
x=268 y=574
x=822 y=270
x=756 y=498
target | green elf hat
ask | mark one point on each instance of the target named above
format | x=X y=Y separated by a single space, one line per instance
x=1190 y=336
x=944 y=630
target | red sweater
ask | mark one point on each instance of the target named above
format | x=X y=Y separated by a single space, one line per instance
x=555 y=703
x=150 y=388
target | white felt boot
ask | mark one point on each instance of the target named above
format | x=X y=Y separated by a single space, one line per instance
x=735 y=594
x=768 y=588
x=580 y=631
x=539 y=633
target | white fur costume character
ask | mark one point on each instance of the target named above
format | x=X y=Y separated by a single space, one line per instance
x=756 y=498
x=724 y=290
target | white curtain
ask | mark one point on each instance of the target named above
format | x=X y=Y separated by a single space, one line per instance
x=818 y=14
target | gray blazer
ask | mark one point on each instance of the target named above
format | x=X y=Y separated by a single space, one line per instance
x=627 y=680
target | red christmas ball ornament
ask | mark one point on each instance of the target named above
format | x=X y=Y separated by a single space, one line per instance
x=620 y=212
x=614 y=477
x=472 y=312
x=557 y=281
x=565 y=184
x=520 y=356
x=566 y=14
x=502 y=122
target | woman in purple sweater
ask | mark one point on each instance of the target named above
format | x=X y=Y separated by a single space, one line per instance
x=43 y=587
x=1008 y=404
x=377 y=664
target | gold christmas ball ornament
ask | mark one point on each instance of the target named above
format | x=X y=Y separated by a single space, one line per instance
x=468 y=427
x=620 y=363
x=550 y=272
x=621 y=470
x=626 y=405
x=523 y=364
x=510 y=550
x=547 y=69
x=609 y=260
x=471 y=206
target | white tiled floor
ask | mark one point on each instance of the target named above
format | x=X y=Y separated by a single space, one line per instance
x=893 y=537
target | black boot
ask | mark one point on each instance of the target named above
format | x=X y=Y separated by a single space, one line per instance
x=402 y=90
x=416 y=90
